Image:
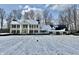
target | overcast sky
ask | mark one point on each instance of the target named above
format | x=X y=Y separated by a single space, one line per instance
x=55 y=8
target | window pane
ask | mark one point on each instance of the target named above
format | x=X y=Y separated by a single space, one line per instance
x=18 y=26
x=31 y=31
x=18 y=31
x=37 y=26
x=35 y=31
x=24 y=26
x=13 y=26
x=30 y=26
x=14 y=31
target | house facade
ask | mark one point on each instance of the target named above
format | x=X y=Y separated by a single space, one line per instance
x=24 y=27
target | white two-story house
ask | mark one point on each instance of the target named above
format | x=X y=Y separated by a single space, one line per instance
x=24 y=27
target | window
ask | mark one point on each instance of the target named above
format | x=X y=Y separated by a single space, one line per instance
x=13 y=26
x=30 y=26
x=18 y=31
x=18 y=26
x=33 y=26
x=37 y=26
x=14 y=31
x=35 y=31
x=31 y=31
x=25 y=26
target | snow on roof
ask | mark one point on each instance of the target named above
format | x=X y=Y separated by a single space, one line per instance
x=58 y=30
x=29 y=21
x=46 y=27
x=32 y=21
x=15 y=22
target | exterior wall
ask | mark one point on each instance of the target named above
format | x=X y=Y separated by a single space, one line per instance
x=31 y=29
x=24 y=30
x=17 y=30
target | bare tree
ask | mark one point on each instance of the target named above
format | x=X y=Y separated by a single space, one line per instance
x=68 y=16
x=26 y=15
x=75 y=14
x=2 y=15
x=46 y=12
x=9 y=17
x=38 y=18
x=61 y=20
x=31 y=14
x=16 y=14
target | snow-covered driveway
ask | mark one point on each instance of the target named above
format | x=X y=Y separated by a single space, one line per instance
x=47 y=44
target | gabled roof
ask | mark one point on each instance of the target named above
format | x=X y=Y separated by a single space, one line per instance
x=15 y=22
x=32 y=21
x=28 y=21
x=24 y=21
x=46 y=27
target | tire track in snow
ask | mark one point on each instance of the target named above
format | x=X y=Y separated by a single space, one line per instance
x=45 y=45
x=11 y=48
x=17 y=48
x=65 y=47
x=7 y=44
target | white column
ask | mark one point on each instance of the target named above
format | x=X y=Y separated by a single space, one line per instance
x=28 y=28
x=33 y=28
x=16 y=28
x=38 y=28
x=10 y=29
x=20 y=28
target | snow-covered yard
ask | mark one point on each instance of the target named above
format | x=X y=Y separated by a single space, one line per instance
x=46 y=45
